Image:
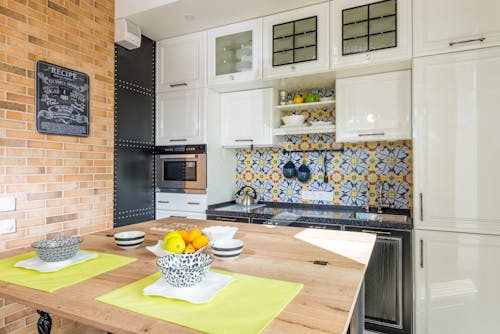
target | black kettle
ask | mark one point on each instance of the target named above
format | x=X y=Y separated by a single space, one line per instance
x=246 y=196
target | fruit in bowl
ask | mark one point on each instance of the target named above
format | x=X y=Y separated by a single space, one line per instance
x=180 y=242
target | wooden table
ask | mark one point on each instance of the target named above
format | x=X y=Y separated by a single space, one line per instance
x=330 y=264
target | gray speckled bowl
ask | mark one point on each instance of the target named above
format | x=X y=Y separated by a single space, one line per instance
x=184 y=270
x=57 y=249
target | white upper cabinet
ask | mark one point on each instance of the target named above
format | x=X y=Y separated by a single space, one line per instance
x=296 y=42
x=454 y=25
x=180 y=62
x=235 y=53
x=456 y=283
x=247 y=118
x=457 y=141
x=180 y=117
x=374 y=107
x=370 y=32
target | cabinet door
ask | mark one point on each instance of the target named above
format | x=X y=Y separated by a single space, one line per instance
x=246 y=118
x=296 y=42
x=234 y=53
x=180 y=117
x=369 y=32
x=180 y=62
x=451 y=25
x=374 y=107
x=456 y=282
x=456 y=141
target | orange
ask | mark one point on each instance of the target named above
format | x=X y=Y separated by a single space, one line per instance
x=184 y=235
x=200 y=241
x=193 y=234
x=190 y=249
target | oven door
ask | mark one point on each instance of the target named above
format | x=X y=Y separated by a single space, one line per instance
x=181 y=172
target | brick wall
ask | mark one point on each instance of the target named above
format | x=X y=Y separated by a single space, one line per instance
x=62 y=184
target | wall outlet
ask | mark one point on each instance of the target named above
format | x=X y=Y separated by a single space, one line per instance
x=7 y=226
x=318 y=195
x=7 y=204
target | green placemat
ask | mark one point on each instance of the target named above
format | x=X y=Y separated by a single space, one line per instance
x=245 y=306
x=51 y=282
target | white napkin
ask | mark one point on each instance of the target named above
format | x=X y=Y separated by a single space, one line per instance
x=203 y=292
x=35 y=263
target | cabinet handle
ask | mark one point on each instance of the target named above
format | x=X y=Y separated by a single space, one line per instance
x=226 y=219
x=177 y=139
x=421 y=207
x=193 y=203
x=480 y=39
x=421 y=253
x=377 y=232
x=178 y=216
x=371 y=134
x=240 y=140
x=178 y=85
x=164 y=202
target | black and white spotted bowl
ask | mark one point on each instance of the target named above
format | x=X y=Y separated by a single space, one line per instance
x=184 y=270
x=57 y=249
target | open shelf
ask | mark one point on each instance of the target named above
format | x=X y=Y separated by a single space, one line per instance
x=305 y=105
x=304 y=130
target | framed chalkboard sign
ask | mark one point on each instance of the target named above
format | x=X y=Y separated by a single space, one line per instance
x=62 y=100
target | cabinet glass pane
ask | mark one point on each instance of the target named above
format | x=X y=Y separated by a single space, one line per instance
x=384 y=8
x=355 y=30
x=385 y=24
x=355 y=14
x=305 y=25
x=282 y=44
x=356 y=45
x=231 y=51
x=377 y=21
x=383 y=41
x=282 y=58
x=295 y=41
x=282 y=30
x=305 y=54
x=303 y=40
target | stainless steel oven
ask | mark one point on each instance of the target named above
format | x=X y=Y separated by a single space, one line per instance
x=181 y=168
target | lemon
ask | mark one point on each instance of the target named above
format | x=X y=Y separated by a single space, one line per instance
x=170 y=235
x=175 y=244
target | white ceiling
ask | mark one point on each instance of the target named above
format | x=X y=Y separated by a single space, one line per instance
x=161 y=19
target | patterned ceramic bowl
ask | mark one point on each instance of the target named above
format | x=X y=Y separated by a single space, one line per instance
x=57 y=249
x=184 y=270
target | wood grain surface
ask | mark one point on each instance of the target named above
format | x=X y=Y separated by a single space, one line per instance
x=324 y=305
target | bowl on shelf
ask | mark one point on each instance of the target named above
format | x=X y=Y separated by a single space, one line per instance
x=294 y=120
x=219 y=232
x=184 y=270
x=129 y=239
x=228 y=249
x=57 y=249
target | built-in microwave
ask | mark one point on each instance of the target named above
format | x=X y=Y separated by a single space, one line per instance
x=181 y=168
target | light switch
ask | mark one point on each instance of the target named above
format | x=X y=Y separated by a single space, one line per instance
x=7 y=204
x=7 y=226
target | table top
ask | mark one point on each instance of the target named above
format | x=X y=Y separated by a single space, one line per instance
x=324 y=305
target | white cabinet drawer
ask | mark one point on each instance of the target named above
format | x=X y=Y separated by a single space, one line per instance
x=181 y=202
x=160 y=214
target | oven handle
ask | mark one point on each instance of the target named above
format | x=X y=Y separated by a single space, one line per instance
x=178 y=156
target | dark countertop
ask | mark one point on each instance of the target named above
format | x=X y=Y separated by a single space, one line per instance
x=286 y=213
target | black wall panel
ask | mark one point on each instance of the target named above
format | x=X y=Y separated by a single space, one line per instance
x=134 y=134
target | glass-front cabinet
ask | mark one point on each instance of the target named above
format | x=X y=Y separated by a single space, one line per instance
x=296 y=42
x=234 y=53
x=369 y=31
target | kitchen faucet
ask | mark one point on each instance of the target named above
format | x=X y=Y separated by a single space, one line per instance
x=379 y=189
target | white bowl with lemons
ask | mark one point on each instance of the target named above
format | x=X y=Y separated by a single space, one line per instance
x=180 y=242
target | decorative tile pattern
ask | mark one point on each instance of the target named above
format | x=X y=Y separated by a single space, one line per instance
x=352 y=174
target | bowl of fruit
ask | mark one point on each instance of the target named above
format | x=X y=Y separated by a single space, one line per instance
x=180 y=242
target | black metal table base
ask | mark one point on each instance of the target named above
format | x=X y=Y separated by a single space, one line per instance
x=44 y=323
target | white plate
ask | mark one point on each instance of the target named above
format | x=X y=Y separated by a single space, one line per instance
x=160 y=251
x=203 y=292
x=294 y=126
x=47 y=267
x=319 y=123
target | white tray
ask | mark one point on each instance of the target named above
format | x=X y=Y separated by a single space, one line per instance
x=203 y=292
x=160 y=251
x=35 y=263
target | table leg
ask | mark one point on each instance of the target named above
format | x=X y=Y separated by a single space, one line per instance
x=44 y=323
x=358 y=315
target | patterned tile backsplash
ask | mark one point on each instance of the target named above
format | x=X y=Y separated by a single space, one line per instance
x=352 y=173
